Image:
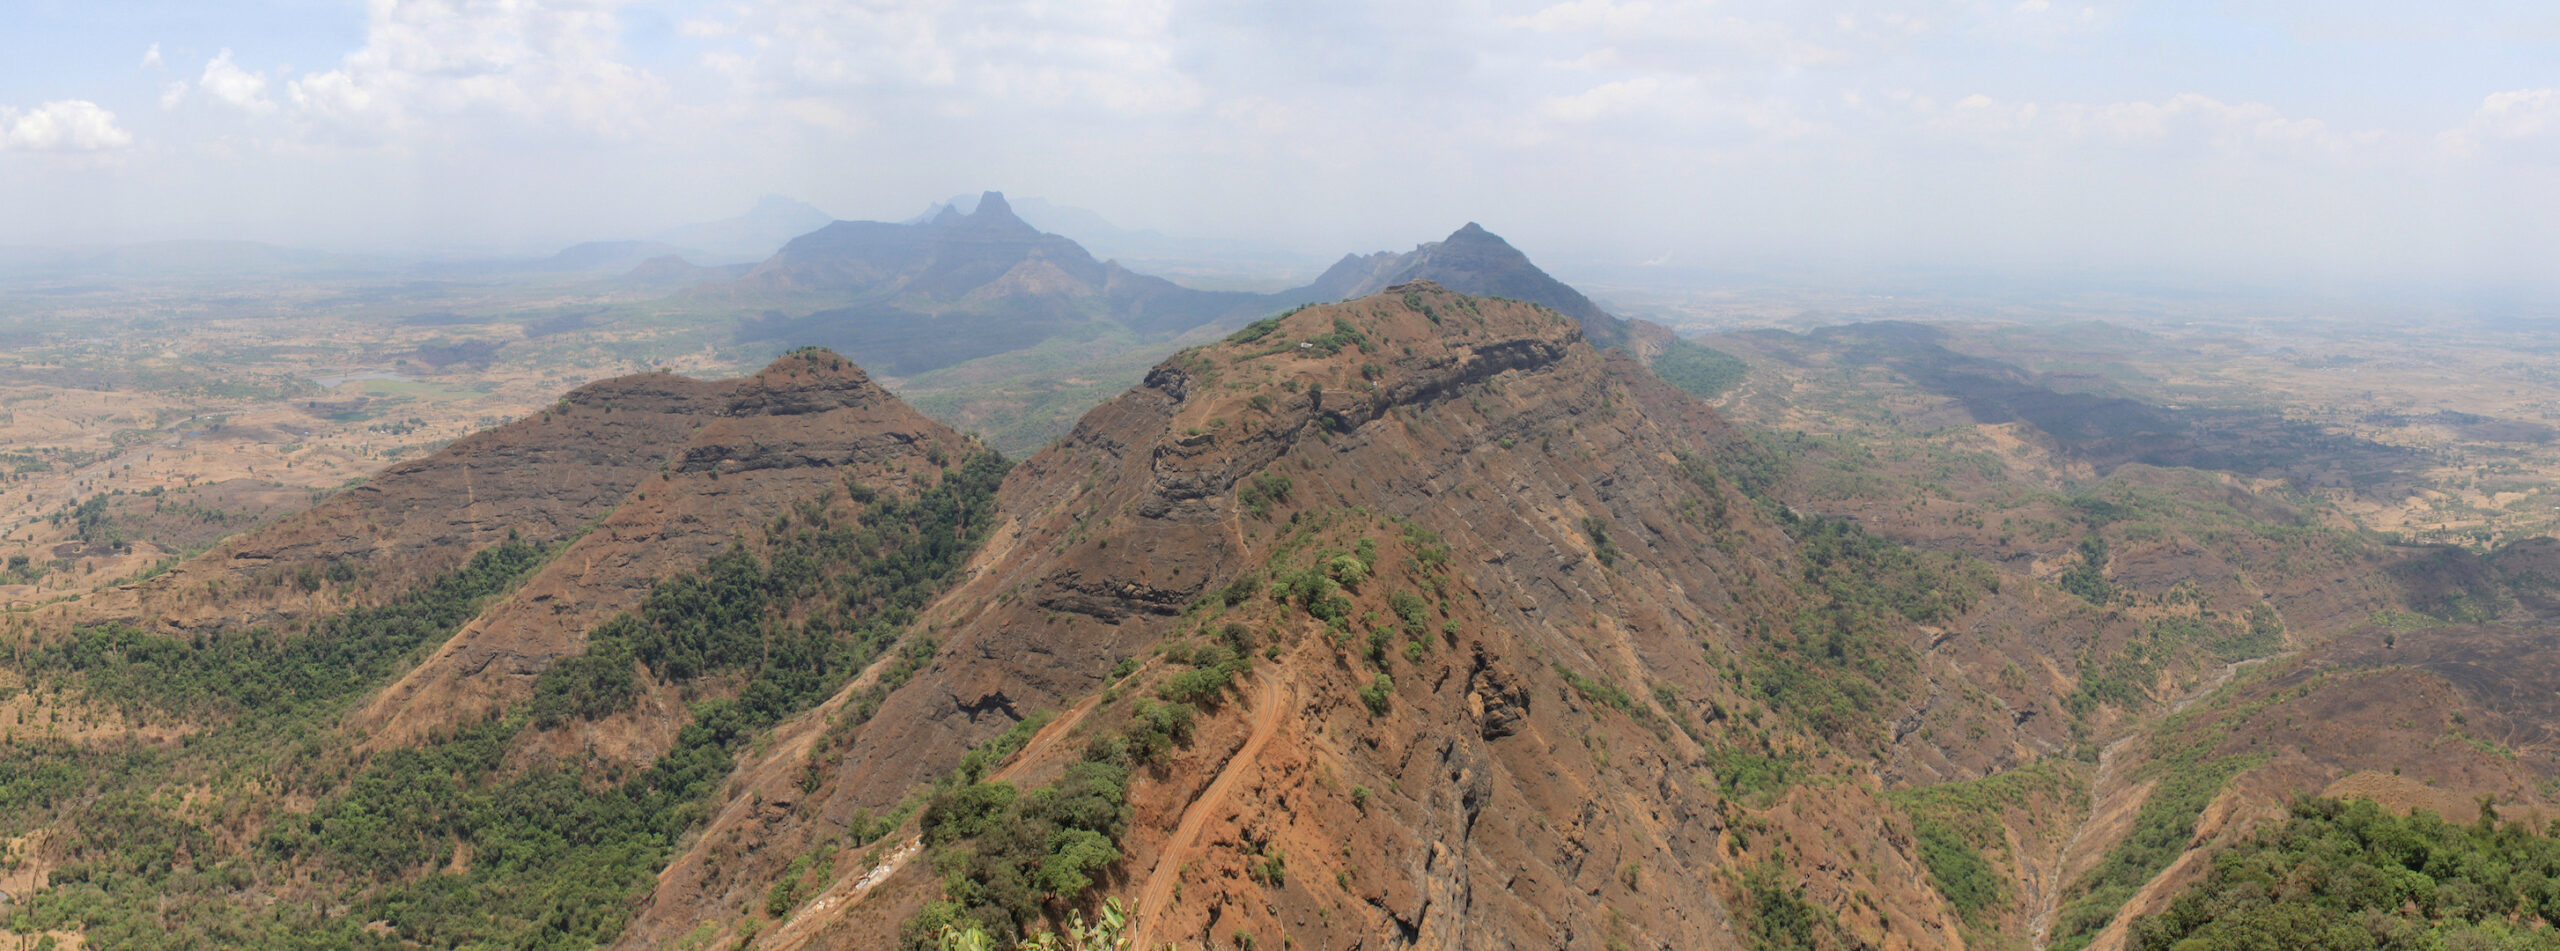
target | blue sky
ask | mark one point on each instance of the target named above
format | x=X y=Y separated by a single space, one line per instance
x=2267 y=142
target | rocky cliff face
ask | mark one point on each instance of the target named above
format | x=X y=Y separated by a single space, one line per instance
x=797 y=431
x=1415 y=620
x=1519 y=728
x=639 y=478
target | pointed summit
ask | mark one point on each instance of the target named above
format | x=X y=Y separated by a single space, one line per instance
x=995 y=214
x=1471 y=261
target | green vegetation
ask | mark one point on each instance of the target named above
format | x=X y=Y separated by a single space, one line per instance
x=2125 y=677
x=1702 y=371
x=1006 y=857
x=1603 y=692
x=1597 y=529
x=1109 y=931
x=1970 y=883
x=1751 y=778
x=1213 y=668
x=1343 y=335
x=2265 y=635
x=1842 y=658
x=866 y=578
x=1963 y=839
x=2088 y=579
x=2161 y=830
x=1378 y=693
x=266 y=673
x=90 y=522
x=2350 y=875
x=1779 y=918
x=1258 y=329
x=1263 y=491
x=460 y=841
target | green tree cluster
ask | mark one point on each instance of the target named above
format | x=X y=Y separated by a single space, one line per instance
x=1007 y=857
x=2352 y=876
x=1842 y=656
x=266 y=672
x=555 y=857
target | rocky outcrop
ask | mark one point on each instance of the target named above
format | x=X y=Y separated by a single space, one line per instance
x=1481 y=448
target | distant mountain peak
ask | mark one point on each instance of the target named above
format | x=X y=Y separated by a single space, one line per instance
x=1471 y=260
x=994 y=214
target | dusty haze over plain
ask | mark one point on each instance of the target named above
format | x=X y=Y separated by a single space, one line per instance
x=2270 y=142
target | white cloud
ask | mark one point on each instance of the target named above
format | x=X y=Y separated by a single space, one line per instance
x=551 y=64
x=1696 y=36
x=2513 y=116
x=1599 y=101
x=1119 y=56
x=70 y=125
x=332 y=96
x=173 y=93
x=2520 y=113
x=2227 y=124
x=151 y=58
x=1582 y=16
x=235 y=87
x=1659 y=110
x=2187 y=117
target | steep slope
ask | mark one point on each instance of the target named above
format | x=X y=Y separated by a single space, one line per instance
x=791 y=433
x=446 y=710
x=2250 y=643
x=1413 y=620
x=544 y=478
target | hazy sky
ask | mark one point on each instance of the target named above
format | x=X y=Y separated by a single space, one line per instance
x=2266 y=141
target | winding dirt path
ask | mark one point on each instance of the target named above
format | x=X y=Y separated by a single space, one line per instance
x=849 y=889
x=2050 y=883
x=1158 y=891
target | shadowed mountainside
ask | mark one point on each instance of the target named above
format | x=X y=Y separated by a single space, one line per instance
x=1415 y=620
x=914 y=297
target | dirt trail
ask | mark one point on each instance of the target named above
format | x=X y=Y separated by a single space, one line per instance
x=2228 y=671
x=2049 y=882
x=1049 y=736
x=852 y=887
x=1158 y=891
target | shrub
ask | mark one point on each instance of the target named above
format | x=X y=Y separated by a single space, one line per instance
x=1263 y=491
x=1347 y=570
x=965 y=812
x=1376 y=695
x=1200 y=685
